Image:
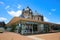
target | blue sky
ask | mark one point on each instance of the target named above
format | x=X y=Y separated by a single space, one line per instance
x=50 y=9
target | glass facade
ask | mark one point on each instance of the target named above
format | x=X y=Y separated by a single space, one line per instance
x=41 y=28
x=46 y=28
x=25 y=27
x=55 y=28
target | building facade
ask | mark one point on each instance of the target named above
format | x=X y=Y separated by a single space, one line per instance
x=28 y=14
x=32 y=23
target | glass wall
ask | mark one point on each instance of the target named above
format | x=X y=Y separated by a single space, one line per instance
x=46 y=28
x=40 y=28
x=28 y=27
x=55 y=28
x=25 y=27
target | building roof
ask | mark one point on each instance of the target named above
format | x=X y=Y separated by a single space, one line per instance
x=17 y=19
x=37 y=14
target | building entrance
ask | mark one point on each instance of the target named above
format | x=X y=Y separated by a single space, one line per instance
x=35 y=29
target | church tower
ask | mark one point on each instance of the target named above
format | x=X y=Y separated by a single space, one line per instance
x=27 y=13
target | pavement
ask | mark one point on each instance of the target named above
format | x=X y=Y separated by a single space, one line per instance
x=49 y=36
x=16 y=36
x=12 y=36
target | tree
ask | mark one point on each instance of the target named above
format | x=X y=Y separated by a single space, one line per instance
x=2 y=24
x=13 y=27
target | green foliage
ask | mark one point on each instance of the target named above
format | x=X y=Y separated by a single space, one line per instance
x=13 y=27
x=2 y=24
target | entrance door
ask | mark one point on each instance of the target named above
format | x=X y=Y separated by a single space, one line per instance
x=35 y=29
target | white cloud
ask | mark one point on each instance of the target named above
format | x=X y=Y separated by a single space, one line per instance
x=53 y=9
x=3 y=19
x=58 y=22
x=15 y=13
x=49 y=13
x=19 y=6
x=7 y=7
x=1 y=2
x=46 y=19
